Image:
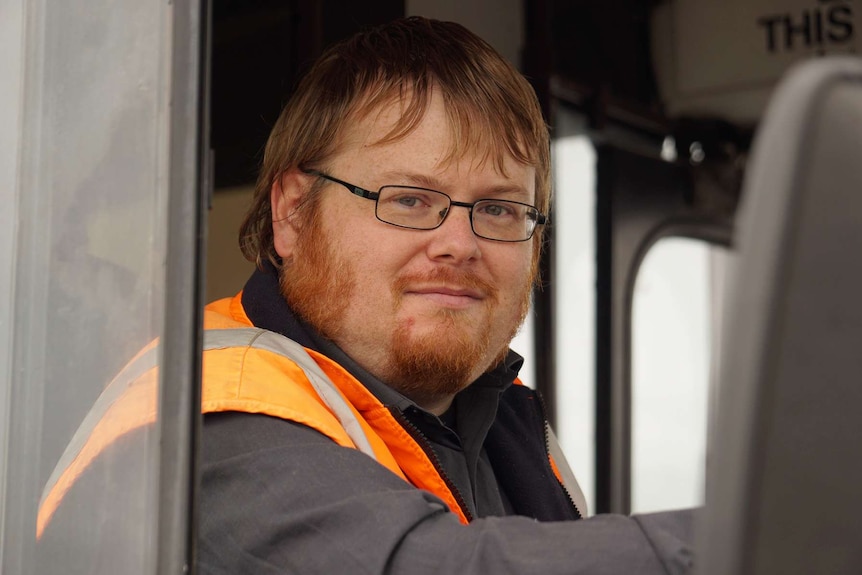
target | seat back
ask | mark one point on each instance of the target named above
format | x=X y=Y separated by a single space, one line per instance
x=784 y=477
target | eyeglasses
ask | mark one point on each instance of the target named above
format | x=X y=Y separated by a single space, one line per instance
x=422 y=209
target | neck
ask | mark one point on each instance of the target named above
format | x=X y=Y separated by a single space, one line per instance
x=438 y=406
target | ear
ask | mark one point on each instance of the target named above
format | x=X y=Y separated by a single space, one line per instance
x=286 y=193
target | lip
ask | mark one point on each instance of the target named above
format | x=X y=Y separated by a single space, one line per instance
x=447 y=296
x=447 y=290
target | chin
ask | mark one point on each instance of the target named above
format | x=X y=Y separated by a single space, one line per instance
x=446 y=330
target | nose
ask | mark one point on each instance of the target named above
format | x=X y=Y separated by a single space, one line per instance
x=454 y=241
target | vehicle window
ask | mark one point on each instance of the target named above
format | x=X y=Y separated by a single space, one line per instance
x=675 y=318
x=574 y=302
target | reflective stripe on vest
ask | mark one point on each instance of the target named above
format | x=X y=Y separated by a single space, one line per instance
x=327 y=391
x=139 y=378
x=564 y=473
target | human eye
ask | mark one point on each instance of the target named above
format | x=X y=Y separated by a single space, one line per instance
x=499 y=210
x=411 y=207
x=409 y=199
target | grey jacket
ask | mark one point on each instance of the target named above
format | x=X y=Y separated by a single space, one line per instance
x=278 y=497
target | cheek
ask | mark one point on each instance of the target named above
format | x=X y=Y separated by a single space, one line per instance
x=376 y=261
x=514 y=270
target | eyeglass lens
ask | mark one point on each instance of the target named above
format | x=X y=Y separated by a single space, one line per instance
x=425 y=209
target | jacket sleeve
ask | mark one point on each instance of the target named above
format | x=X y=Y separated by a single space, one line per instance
x=278 y=497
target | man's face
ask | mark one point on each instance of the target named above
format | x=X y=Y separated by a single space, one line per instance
x=425 y=311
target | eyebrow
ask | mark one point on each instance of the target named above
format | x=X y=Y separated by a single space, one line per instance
x=424 y=181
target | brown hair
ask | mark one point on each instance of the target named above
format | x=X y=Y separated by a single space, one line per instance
x=491 y=107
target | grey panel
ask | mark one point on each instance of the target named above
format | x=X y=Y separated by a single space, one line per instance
x=785 y=466
x=93 y=187
x=11 y=31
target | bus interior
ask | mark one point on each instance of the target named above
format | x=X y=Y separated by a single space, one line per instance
x=697 y=329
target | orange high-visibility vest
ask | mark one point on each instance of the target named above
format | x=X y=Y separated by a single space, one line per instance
x=251 y=370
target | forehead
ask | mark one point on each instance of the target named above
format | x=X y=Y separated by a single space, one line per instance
x=391 y=137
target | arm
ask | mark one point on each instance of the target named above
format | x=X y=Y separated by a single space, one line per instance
x=280 y=498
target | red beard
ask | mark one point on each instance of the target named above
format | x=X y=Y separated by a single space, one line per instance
x=318 y=284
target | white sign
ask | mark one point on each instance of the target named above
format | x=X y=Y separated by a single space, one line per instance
x=721 y=58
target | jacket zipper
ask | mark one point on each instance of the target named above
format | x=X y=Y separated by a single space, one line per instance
x=426 y=446
x=545 y=425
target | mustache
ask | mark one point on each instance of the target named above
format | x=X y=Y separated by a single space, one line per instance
x=448 y=276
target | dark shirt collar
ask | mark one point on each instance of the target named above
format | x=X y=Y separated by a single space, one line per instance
x=267 y=309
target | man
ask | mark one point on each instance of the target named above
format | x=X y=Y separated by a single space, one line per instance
x=362 y=408
x=362 y=413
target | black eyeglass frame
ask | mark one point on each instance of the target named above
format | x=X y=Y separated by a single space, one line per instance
x=541 y=219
